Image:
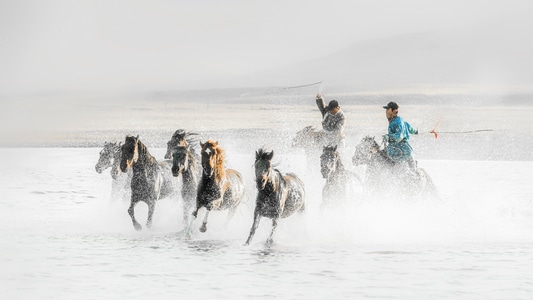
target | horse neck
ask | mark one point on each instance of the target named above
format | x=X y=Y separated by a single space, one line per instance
x=191 y=171
x=380 y=159
x=145 y=158
x=339 y=167
x=274 y=182
x=115 y=164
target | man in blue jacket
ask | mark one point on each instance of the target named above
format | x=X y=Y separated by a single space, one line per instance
x=398 y=147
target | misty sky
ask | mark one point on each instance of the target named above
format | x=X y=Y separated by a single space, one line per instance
x=127 y=45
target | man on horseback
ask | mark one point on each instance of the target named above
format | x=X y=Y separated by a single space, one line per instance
x=397 y=138
x=333 y=120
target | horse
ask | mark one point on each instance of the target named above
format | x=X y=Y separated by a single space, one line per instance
x=219 y=188
x=181 y=138
x=382 y=173
x=278 y=195
x=184 y=163
x=110 y=158
x=341 y=184
x=150 y=181
x=310 y=140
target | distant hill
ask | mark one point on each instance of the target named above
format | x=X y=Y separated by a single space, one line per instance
x=494 y=55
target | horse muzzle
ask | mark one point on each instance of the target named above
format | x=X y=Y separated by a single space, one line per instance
x=98 y=169
x=176 y=171
x=325 y=173
x=125 y=164
x=209 y=172
x=168 y=155
x=261 y=183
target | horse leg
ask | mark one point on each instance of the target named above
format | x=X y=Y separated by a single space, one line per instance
x=131 y=212
x=151 y=207
x=186 y=209
x=194 y=215
x=270 y=239
x=257 y=218
x=230 y=215
x=203 y=228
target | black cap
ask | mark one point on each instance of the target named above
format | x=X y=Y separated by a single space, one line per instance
x=333 y=104
x=392 y=105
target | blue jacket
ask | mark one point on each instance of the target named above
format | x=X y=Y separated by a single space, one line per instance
x=398 y=147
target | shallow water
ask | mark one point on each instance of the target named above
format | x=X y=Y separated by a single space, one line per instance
x=64 y=238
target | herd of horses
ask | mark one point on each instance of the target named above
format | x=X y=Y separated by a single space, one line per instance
x=207 y=183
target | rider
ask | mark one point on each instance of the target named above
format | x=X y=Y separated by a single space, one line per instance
x=333 y=120
x=398 y=147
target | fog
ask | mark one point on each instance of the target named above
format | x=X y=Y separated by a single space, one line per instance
x=50 y=46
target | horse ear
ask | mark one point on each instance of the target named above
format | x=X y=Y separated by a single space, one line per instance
x=216 y=143
x=202 y=145
x=335 y=148
x=256 y=155
x=270 y=155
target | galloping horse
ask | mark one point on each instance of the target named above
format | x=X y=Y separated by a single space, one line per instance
x=110 y=158
x=341 y=184
x=219 y=188
x=181 y=138
x=382 y=173
x=150 y=181
x=278 y=195
x=184 y=163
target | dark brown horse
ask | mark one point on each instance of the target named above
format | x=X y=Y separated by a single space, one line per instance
x=278 y=195
x=150 y=181
x=219 y=188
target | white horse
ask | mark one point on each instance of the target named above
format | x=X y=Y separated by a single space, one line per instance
x=110 y=158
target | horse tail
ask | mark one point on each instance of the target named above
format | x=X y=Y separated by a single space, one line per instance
x=236 y=186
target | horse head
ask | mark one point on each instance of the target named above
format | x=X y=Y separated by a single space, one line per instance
x=365 y=150
x=212 y=159
x=181 y=160
x=129 y=152
x=177 y=139
x=263 y=167
x=329 y=160
x=106 y=158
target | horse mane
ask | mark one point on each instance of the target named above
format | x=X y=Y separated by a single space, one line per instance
x=381 y=152
x=115 y=167
x=144 y=154
x=185 y=138
x=142 y=150
x=219 y=159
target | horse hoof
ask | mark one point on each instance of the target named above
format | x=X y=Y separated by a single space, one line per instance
x=203 y=228
x=138 y=227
